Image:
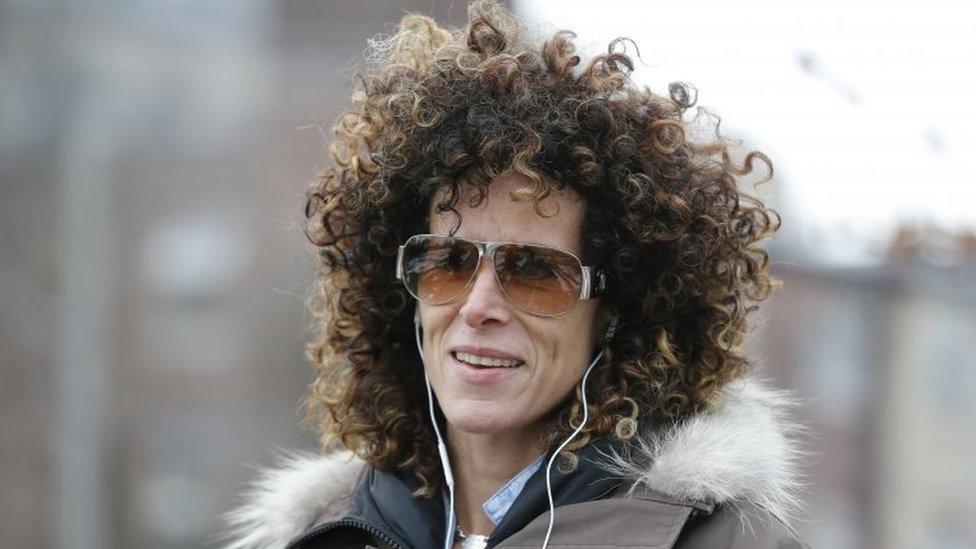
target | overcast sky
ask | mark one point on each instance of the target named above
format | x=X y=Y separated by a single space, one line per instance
x=867 y=111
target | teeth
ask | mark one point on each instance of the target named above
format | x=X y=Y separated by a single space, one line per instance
x=485 y=361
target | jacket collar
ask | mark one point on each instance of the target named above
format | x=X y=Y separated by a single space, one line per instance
x=743 y=450
x=746 y=449
x=384 y=498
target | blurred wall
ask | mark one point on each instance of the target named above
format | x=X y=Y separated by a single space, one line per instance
x=154 y=158
x=883 y=359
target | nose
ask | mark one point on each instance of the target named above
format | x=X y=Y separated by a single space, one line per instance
x=484 y=304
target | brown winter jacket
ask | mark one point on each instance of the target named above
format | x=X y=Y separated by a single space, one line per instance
x=723 y=479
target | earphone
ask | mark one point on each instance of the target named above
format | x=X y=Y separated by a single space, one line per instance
x=552 y=506
x=442 y=448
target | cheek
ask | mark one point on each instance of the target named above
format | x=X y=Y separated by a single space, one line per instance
x=569 y=344
x=580 y=327
x=435 y=325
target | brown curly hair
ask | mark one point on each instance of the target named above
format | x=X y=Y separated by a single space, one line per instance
x=665 y=218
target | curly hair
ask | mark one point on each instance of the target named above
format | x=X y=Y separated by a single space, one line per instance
x=665 y=217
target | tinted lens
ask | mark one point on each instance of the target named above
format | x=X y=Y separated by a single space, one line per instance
x=438 y=268
x=539 y=280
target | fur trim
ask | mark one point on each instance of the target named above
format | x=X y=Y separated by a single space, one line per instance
x=743 y=452
x=746 y=450
x=286 y=500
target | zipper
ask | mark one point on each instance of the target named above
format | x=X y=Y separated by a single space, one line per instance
x=361 y=524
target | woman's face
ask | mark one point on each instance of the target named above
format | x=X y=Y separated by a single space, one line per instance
x=552 y=352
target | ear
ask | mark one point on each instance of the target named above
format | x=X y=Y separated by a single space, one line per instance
x=605 y=326
x=611 y=328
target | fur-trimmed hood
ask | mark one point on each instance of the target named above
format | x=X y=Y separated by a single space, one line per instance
x=745 y=450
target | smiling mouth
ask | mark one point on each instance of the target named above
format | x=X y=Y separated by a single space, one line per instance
x=485 y=362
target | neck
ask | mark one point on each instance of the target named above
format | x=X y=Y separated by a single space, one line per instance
x=482 y=463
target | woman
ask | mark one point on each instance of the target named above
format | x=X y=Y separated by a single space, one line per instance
x=532 y=301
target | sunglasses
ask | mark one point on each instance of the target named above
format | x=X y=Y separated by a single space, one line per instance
x=538 y=280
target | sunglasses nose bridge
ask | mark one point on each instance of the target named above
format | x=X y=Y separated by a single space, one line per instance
x=484 y=300
x=486 y=261
x=488 y=250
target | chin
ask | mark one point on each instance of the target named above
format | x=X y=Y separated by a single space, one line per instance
x=481 y=417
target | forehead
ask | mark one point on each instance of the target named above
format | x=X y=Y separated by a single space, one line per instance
x=502 y=218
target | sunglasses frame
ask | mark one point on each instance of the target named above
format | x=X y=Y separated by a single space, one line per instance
x=592 y=285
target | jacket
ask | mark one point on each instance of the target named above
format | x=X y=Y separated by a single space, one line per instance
x=727 y=478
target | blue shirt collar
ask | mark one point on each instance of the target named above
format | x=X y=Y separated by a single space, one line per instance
x=499 y=502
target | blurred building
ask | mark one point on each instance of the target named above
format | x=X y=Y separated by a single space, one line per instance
x=885 y=358
x=152 y=271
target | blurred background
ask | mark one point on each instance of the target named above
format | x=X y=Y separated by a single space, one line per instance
x=153 y=158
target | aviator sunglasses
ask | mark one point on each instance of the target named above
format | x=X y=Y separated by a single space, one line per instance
x=539 y=280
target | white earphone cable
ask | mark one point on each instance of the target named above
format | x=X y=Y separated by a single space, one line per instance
x=552 y=507
x=441 y=447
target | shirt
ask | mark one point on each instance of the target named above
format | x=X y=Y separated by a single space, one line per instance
x=499 y=502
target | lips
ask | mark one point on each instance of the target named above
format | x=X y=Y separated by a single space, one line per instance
x=485 y=357
x=484 y=366
x=484 y=361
